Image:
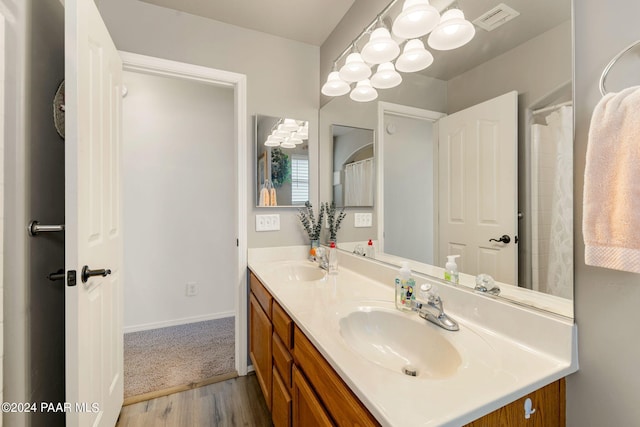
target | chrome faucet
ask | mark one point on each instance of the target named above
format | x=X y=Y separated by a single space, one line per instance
x=429 y=307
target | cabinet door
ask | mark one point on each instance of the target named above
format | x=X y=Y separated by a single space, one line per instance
x=260 y=349
x=545 y=407
x=307 y=409
x=281 y=405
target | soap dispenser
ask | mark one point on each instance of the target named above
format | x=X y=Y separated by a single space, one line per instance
x=405 y=286
x=451 y=269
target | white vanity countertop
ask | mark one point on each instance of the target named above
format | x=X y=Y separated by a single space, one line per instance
x=507 y=351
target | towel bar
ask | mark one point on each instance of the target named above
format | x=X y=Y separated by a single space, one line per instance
x=605 y=73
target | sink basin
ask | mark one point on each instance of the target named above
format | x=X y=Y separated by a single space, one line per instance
x=400 y=343
x=302 y=272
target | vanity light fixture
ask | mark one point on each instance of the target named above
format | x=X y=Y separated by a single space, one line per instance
x=295 y=139
x=386 y=77
x=335 y=86
x=452 y=32
x=354 y=69
x=414 y=57
x=417 y=19
x=363 y=92
x=381 y=47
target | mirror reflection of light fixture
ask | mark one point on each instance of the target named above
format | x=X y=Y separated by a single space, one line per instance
x=287 y=143
x=273 y=141
x=303 y=132
x=386 y=77
x=363 y=92
x=290 y=125
x=414 y=57
x=295 y=139
x=380 y=48
x=354 y=69
x=452 y=32
x=281 y=131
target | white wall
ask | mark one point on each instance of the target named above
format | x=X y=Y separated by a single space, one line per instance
x=282 y=79
x=179 y=208
x=604 y=392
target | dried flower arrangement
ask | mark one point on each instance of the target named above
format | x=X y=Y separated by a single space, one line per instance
x=333 y=220
x=308 y=220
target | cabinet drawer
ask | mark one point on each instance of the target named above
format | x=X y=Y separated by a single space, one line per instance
x=281 y=404
x=283 y=325
x=282 y=359
x=345 y=408
x=262 y=295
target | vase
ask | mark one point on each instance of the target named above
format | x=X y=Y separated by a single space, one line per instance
x=315 y=243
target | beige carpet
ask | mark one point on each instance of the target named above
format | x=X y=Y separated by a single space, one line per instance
x=163 y=358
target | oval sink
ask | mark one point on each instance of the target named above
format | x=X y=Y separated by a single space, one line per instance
x=401 y=344
x=302 y=273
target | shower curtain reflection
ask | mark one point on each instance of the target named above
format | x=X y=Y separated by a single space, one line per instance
x=552 y=202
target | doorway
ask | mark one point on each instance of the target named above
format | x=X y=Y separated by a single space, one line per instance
x=184 y=217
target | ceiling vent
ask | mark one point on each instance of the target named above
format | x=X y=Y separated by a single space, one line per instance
x=494 y=18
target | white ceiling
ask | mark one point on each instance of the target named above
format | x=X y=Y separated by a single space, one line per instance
x=307 y=21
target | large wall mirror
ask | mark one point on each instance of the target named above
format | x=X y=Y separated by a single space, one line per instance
x=422 y=169
x=282 y=161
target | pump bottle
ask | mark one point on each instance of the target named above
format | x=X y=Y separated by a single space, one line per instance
x=451 y=269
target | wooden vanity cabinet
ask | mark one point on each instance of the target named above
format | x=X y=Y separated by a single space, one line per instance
x=302 y=389
x=260 y=330
x=548 y=403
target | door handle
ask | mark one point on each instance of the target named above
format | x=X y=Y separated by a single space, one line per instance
x=87 y=273
x=503 y=239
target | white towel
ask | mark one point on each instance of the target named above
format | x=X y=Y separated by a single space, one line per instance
x=611 y=217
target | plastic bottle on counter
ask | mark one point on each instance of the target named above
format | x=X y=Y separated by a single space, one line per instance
x=333 y=258
x=405 y=288
x=371 y=252
x=451 y=269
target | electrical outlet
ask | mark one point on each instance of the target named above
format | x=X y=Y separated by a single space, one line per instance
x=363 y=219
x=191 y=289
x=268 y=222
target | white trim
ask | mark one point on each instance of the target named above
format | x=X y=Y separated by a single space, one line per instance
x=167 y=68
x=2 y=143
x=176 y=322
x=403 y=111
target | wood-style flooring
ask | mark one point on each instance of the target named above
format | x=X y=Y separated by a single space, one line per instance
x=235 y=402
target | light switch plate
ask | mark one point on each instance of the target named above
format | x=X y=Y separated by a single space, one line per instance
x=363 y=220
x=268 y=222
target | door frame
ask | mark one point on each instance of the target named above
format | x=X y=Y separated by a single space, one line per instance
x=413 y=113
x=180 y=70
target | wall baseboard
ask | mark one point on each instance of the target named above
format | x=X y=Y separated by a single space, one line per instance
x=176 y=322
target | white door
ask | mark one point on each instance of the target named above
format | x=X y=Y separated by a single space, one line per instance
x=478 y=188
x=93 y=311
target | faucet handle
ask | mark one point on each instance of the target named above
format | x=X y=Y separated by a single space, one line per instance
x=429 y=292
